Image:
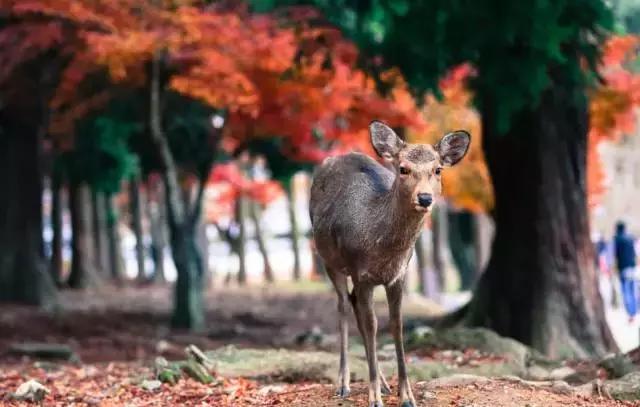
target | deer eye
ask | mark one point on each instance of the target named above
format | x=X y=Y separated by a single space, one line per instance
x=438 y=171
x=404 y=170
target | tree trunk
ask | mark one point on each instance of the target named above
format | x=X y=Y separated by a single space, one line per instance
x=188 y=311
x=136 y=225
x=442 y=261
x=100 y=231
x=421 y=262
x=255 y=218
x=157 y=222
x=24 y=276
x=295 y=233
x=83 y=271
x=116 y=262
x=240 y=240
x=461 y=235
x=540 y=286
x=56 y=226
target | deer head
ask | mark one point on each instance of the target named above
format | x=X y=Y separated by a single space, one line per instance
x=418 y=167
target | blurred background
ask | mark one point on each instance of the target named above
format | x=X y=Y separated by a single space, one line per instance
x=156 y=157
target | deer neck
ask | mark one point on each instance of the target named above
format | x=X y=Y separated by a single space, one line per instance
x=398 y=221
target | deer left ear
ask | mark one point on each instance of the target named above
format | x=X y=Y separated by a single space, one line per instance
x=453 y=147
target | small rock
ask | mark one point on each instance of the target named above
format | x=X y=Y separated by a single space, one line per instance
x=428 y=395
x=536 y=372
x=197 y=371
x=561 y=387
x=31 y=391
x=151 y=385
x=163 y=346
x=561 y=373
x=169 y=376
x=161 y=363
x=270 y=390
x=624 y=388
x=456 y=380
x=617 y=365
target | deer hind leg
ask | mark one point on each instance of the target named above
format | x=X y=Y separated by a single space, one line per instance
x=362 y=296
x=339 y=281
x=394 y=298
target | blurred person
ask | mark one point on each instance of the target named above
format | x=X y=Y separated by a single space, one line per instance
x=625 y=253
x=606 y=272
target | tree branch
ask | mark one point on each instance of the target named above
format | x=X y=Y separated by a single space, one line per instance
x=175 y=206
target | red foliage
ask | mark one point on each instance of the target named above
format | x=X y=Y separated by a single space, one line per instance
x=612 y=106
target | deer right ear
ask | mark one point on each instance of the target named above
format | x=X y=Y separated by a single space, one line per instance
x=385 y=141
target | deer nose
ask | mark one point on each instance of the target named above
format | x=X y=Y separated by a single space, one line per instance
x=425 y=200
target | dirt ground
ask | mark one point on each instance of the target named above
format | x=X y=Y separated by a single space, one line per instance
x=117 y=332
x=116 y=384
x=124 y=324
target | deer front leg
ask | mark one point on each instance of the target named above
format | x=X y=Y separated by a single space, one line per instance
x=384 y=386
x=369 y=327
x=394 y=298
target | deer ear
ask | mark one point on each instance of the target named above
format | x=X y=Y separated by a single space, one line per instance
x=385 y=141
x=453 y=147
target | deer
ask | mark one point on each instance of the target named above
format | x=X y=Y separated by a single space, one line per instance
x=365 y=220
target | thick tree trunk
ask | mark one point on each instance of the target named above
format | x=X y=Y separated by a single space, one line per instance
x=116 y=262
x=157 y=222
x=262 y=246
x=540 y=286
x=56 y=226
x=240 y=240
x=135 y=208
x=83 y=272
x=295 y=232
x=100 y=231
x=24 y=276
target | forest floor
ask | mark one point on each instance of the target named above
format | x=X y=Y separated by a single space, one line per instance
x=271 y=347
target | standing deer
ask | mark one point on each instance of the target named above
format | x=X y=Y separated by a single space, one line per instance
x=366 y=219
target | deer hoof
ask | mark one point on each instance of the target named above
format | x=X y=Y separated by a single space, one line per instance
x=343 y=391
x=376 y=404
x=407 y=403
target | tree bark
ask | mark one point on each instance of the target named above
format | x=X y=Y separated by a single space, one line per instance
x=83 y=272
x=56 y=226
x=422 y=268
x=241 y=240
x=135 y=202
x=157 y=221
x=295 y=232
x=540 y=286
x=100 y=231
x=24 y=276
x=262 y=246
x=188 y=311
x=440 y=247
x=461 y=243
x=113 y=239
